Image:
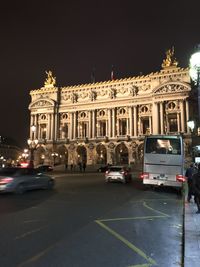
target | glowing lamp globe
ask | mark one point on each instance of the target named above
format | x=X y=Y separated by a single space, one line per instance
x=195 y=66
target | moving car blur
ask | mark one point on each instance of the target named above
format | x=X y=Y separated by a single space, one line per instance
x=44 y=168
x=104 y=168
x=19 y=180
x=118 y=173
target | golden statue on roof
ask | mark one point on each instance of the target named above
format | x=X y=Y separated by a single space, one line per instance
x=50 y=80
x=170 y=60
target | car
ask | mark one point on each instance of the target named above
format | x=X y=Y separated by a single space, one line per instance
x=44 y=168
x=19 y=180
x=103 y=168
x=118 y=174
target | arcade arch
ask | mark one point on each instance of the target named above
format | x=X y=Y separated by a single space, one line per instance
x=101 y=154
x=121 y=153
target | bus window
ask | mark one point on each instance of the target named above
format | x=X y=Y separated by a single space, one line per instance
x=163 y=146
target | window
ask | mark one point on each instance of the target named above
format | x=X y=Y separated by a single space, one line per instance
x=122 y=127
x=163 y=146
x=173 y=124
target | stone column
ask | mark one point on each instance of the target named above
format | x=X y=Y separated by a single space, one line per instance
x=109 y=122
x=161 y=118
x=182 y=116
x=135 y=121
x=31 y=123
x=150 y=124
x=130 y=121
x=90 y=124
x=49 y=127
x=187 y=114
x=74 y=125
x=139 y=126
x=71 y=126
x=93 y=124
x=127 y=127
x=178 y=122
x=155 y=118
x=113 y=123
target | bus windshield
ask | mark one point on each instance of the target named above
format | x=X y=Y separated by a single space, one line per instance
x=163 y=146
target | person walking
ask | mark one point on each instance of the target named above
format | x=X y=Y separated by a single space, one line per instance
x=71 y=166
x=80 y=166
x=84 y=166
x=196 y=187
x=189 y=173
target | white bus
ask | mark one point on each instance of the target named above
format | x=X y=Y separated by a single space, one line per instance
x=163 y=163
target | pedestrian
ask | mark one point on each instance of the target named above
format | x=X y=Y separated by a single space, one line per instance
x=71 y=166
x=66 y=166
x=84 y=166
x=80 y=166
x=189 y=173
x=196 y=187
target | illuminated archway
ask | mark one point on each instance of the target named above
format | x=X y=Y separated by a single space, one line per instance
x=121 y=153
x=63 y=155
x=101 y=154
x=81 y=154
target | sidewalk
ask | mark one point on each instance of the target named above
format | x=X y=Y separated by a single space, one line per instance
x=192 y=235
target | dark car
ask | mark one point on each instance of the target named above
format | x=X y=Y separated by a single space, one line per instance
x=44 y=168
x=103 y=168
x=19 y=180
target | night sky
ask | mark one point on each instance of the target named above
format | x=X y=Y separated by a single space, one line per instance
x=73 y=37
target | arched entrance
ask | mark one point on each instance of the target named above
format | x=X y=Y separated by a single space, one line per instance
x=39 y=156
x=101 y=154
x=81 y=154
x=63 y=155
x=121 y=153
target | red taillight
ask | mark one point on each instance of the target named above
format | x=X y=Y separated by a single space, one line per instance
x=144 y=175
x=180 y=178
x=6 y=180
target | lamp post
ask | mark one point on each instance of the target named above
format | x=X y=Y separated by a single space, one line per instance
x=195 y=74
x=32 y=146
x=54 y=155
x=191 y=126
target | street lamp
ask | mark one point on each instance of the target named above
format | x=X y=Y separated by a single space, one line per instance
x=32 y=146
x=191 y=125
x=195 y=73
x=54 y=155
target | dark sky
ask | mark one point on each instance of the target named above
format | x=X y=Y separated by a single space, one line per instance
x=72 y=37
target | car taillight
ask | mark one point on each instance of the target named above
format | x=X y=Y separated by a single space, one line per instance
x=180 y=178
x=144 y=175
x=6 y=180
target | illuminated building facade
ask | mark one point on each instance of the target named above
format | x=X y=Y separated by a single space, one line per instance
x=105 y=122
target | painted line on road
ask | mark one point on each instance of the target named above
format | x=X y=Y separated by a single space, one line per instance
x=126 y=242
x=29 y=233
x=36 y=257
x=141 y=265
x=133 y=218
x=157 y=211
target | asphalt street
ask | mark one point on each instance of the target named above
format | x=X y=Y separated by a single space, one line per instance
x=86 y=222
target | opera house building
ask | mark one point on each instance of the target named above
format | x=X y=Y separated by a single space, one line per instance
x=106 y=122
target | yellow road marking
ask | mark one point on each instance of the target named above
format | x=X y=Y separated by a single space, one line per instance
x=29 y=233
x=126 y=242
x=141 y=265
x=157 y=211
x=36 y=257
x=133 y=218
